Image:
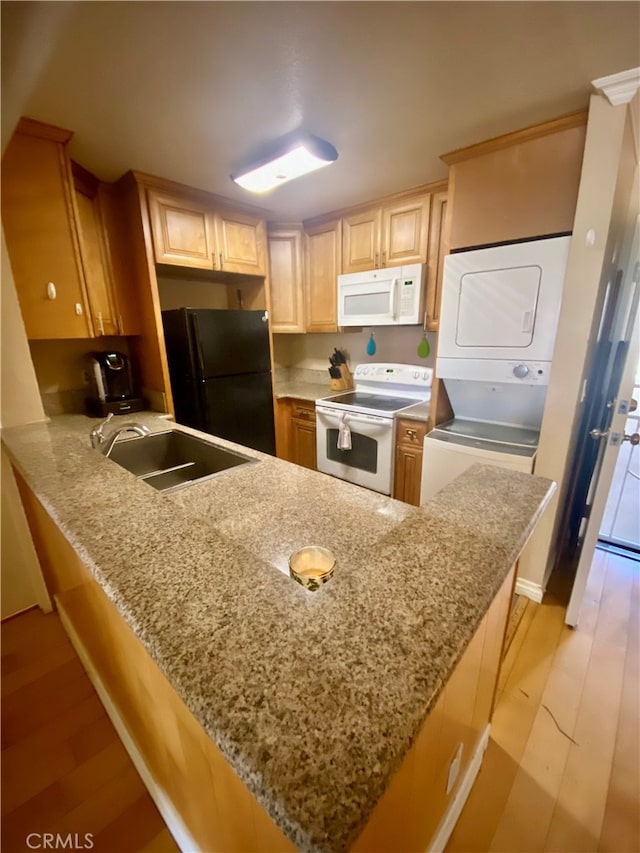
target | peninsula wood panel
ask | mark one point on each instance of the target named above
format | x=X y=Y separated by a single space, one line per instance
x=526 y=189
x=183 y=762
x=407 y=816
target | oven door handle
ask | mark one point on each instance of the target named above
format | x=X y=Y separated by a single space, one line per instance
x=354 y=419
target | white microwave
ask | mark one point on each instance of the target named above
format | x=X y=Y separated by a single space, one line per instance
x=393 y=296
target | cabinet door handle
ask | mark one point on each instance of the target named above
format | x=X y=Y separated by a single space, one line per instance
x=411 y=433
x=384 y=259
x=120 y=325
x=215 y=260
x=221 y=266
x=376 y=262
x=100 y=323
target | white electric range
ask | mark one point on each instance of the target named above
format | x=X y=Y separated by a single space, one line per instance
x=365 y=420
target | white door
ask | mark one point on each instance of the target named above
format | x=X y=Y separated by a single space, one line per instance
x=621 y=520
x=611 y=437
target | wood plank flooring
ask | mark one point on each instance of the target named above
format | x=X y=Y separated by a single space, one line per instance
x=64 y=769
x=562 y=770
x=561 y=773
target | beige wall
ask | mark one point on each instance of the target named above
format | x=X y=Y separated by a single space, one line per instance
x=60 y=365
x=22 y=584
x=605 y=189
x=397 y=345
x=188 y=293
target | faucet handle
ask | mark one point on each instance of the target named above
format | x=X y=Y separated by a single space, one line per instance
x=96 y=435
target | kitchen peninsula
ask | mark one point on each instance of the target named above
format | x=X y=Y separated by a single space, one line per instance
x=321 y=703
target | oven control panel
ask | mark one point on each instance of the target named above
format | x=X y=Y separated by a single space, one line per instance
x=394 y=374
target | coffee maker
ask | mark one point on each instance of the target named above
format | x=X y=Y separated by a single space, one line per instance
x=112 y=388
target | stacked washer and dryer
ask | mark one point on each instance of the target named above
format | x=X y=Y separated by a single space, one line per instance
x=498 y=322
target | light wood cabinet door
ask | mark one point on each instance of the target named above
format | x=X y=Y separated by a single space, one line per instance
x=408 y=464
x=183 y=231
x=435 y=269
x=41 y=233
x=323 y=262
x=405 y=232
x=97 y=269
x=286 y=267
x=241 y=243
x=361 y=241
x=303 y=434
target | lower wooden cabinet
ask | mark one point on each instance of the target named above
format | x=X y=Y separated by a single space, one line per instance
x=303 y=434
x=408 y=468
x=296 y=432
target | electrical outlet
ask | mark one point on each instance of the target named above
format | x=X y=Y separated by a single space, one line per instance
x=454 y=768
x=85 y=377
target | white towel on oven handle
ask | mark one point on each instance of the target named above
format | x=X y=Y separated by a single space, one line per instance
x=344 y=434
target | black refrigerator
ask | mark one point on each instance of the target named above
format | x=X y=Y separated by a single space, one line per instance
x=220 y=373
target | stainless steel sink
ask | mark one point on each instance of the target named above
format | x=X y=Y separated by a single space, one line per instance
x=172 y=460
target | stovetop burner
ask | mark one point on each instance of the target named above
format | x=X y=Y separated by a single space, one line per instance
x=377 y=402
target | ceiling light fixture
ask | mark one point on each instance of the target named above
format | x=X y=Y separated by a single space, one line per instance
x=290 y=157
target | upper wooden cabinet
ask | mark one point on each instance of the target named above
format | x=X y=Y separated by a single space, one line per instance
x=435 y=268
x=286 y=280
x=189 y=232
x=387 y=236
x=323 y=262
x=38 y=216
x=241 y=243
x=183 y=231
x=57 y=240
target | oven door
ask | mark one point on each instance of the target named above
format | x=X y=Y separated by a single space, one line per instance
x=369 y=462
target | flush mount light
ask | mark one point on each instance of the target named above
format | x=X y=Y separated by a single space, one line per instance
x=290 y=158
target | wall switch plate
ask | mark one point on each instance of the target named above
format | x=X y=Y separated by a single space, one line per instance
x=454 y=768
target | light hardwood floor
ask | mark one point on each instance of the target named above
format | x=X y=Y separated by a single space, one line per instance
x=561 y=772
x=64 y=769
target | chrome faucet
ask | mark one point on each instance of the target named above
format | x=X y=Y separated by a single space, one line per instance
x=104 y=443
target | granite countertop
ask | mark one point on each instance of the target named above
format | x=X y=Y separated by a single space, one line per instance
x=298 y=390
x=313 y=698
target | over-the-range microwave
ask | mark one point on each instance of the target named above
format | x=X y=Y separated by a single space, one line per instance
x=392 y=296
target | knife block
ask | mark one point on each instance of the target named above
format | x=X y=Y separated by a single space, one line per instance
x=345 y=383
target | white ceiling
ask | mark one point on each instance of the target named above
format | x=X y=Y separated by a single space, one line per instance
x=188 y=90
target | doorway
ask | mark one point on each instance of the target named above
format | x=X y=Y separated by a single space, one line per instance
x=620 y=525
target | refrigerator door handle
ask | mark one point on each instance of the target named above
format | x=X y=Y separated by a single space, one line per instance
x=196 y=343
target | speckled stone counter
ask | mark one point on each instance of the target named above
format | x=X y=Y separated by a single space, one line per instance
x=311 y=391
x=313 y=698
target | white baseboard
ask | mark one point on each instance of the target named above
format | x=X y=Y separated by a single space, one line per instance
x=448 y=822
x=530 y=589
x=174 y=822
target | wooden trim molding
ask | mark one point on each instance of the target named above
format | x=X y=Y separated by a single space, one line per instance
x=534 y=131
x=216 y=202
x=43 y=131
x=618 y=88
x=381 y=201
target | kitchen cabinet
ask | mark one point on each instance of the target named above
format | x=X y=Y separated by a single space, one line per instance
x=190 y=232
x=39 y=220
x=435 y=269
x=388 y=235
x=323 y=263
x=241 y=243
x=303 y=433
x=408 y=464
x=58 y=241
x=286 y=280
